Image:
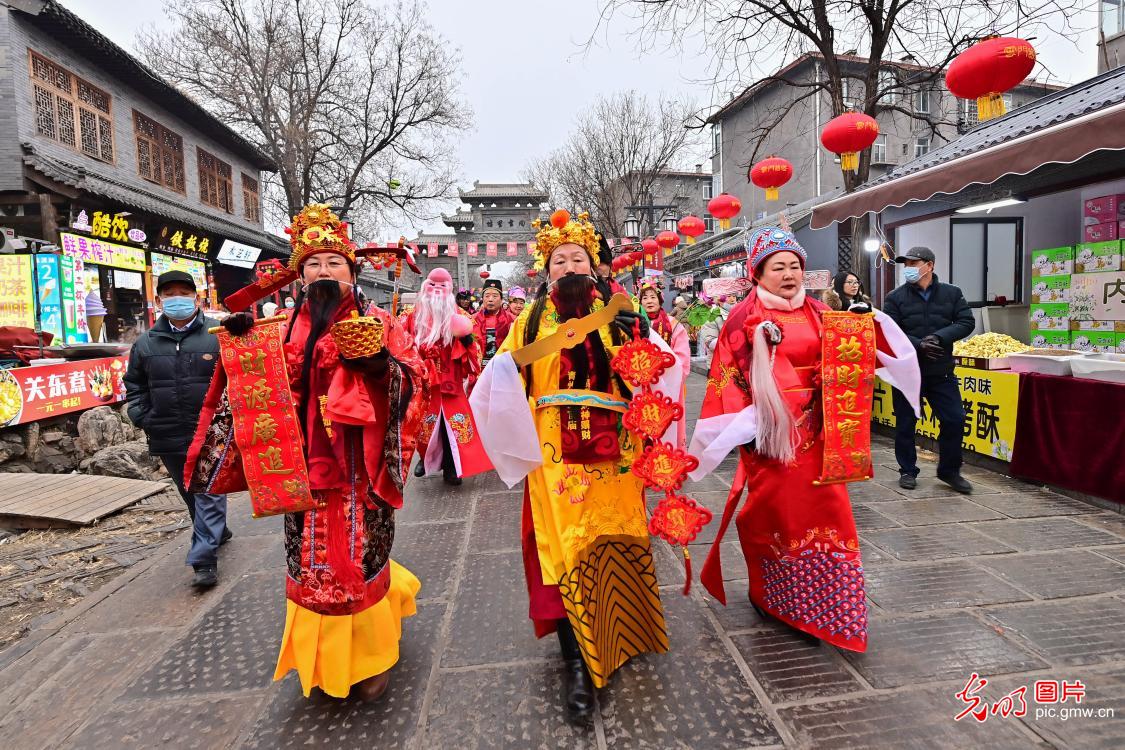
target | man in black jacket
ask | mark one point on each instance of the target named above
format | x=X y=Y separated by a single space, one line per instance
x=933 y=315
x=170 y=369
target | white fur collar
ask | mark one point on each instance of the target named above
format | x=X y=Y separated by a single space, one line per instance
x=771 y=301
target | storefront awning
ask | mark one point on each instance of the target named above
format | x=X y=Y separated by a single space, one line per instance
x=1061 y=128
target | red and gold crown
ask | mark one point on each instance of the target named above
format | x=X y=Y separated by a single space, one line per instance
x=563 y=230
x=317 y=230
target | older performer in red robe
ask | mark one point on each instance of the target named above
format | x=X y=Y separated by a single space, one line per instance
x=443 y=333
x=357 y=418
x=764 y=397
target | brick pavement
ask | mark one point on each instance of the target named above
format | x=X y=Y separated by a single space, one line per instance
x=1015 y=583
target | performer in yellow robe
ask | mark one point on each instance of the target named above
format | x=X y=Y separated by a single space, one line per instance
x=587 y=557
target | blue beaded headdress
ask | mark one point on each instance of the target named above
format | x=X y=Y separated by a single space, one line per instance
x=765 y=241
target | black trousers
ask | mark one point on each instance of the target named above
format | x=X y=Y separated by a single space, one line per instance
x=942 y=395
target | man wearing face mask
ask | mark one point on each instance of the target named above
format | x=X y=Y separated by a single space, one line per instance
x=170 y=368
x=934 y=315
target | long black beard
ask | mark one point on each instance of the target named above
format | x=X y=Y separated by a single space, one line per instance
x=573 y=295
x=322 y=298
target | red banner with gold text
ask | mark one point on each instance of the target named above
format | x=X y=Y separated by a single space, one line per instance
x=848 y=375
x=266 y=428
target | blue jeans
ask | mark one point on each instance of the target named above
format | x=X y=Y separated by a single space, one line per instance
x=944 y=398
x=208 y=516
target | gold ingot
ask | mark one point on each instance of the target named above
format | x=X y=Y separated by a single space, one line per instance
x=358 y=337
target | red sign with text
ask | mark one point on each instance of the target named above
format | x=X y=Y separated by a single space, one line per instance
x=28 y=394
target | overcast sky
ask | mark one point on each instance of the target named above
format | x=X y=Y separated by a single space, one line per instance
x=519 y=55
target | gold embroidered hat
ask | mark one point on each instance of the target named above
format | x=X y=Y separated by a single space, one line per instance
x=563 y=230
x=316 y=229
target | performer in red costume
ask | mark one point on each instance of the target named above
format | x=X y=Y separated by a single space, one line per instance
x=357 y=418
x=443 y=334
x=491 y=322
x=764 y=397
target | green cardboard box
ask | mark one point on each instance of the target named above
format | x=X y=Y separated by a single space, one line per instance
x=1102 y=342
x=1092 y=257
x=1050 y=339
x=1050 y=316
x=1052 y=261
x=1120 y=343
x=1091 y=325
x=1051 y=288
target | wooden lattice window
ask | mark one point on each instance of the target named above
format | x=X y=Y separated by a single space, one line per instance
x=216 y=187
x=70 y=110
x=251 y=202
x=160 y=153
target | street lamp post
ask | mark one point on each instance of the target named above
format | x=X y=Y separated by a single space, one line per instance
x=633 y=228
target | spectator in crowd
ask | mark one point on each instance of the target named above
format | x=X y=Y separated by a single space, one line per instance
x=709 y=332
x=170 y=369
x=934 y=315
x=269 y=309
x=845 y=293
x=679 y=307
x=517 y=298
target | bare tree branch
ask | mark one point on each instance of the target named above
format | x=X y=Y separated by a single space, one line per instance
x=357 y=104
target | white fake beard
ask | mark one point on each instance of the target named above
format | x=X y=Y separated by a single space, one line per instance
x=433 y=317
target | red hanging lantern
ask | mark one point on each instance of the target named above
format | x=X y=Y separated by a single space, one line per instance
x=668 y=241
x=691 y=227
x=532 y=273
x=988 y=69
x=770 y=174
x=650 y=248
x=724 y=207
x=847 y=135
x=484 y=274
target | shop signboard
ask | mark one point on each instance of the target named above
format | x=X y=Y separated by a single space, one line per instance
x=102 y=252
x=28 y=394
x=1100 y=296
x=990 y=398
x=107 y=226
x=162 y=263
x=17 y=298
x=183 y=241
x=48 y=286
x=233 y=253
x=73 y=300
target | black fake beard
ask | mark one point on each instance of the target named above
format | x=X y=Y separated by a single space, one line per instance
x=322 y=298
x=573 y=295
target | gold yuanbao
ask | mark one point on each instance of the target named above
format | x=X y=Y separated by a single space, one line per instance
x=358 y=337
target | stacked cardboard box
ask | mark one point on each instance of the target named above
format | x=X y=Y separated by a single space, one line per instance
x=1051 y=270
x=1101 y=253
x=1063 y=319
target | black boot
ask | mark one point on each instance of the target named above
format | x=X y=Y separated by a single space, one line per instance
x=420 y=469
x=448 y=465
x=578 y=688
x=806 y=637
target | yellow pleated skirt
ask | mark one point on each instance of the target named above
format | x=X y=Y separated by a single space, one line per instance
x=334 y=652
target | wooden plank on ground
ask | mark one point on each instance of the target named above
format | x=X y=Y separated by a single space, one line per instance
x=44 y=500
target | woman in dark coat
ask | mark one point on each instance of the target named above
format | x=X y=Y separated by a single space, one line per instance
x=846 y=291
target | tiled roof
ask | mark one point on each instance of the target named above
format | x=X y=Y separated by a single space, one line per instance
x=79 y=177
x=504 y=190
x=70 y=30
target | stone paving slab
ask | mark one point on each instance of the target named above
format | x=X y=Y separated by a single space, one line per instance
x=931 y=511
x=1051 y=575
x=935 y=542
x=1035 y=534
x=188 y=724
x=791 y=669
x=1071 y=631
x=945 y=585
x=1024 y=505
x=914 y=650
x=430 y=551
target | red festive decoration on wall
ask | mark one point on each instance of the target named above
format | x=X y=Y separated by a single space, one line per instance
x=988 y=69
x=770 y=174
x=691 y=227
x=724 y=207
x=847 y=135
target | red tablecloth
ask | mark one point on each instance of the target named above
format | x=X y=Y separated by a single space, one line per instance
x=1071 y=433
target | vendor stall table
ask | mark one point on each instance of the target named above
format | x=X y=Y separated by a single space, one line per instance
x=1072 y=434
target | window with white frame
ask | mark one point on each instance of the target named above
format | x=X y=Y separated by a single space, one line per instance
x=922 y=101
x=888 y=83
x=879 y=150
x=709 y=224
x=921 y=146
x=708 y=189
x=1112 y=17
